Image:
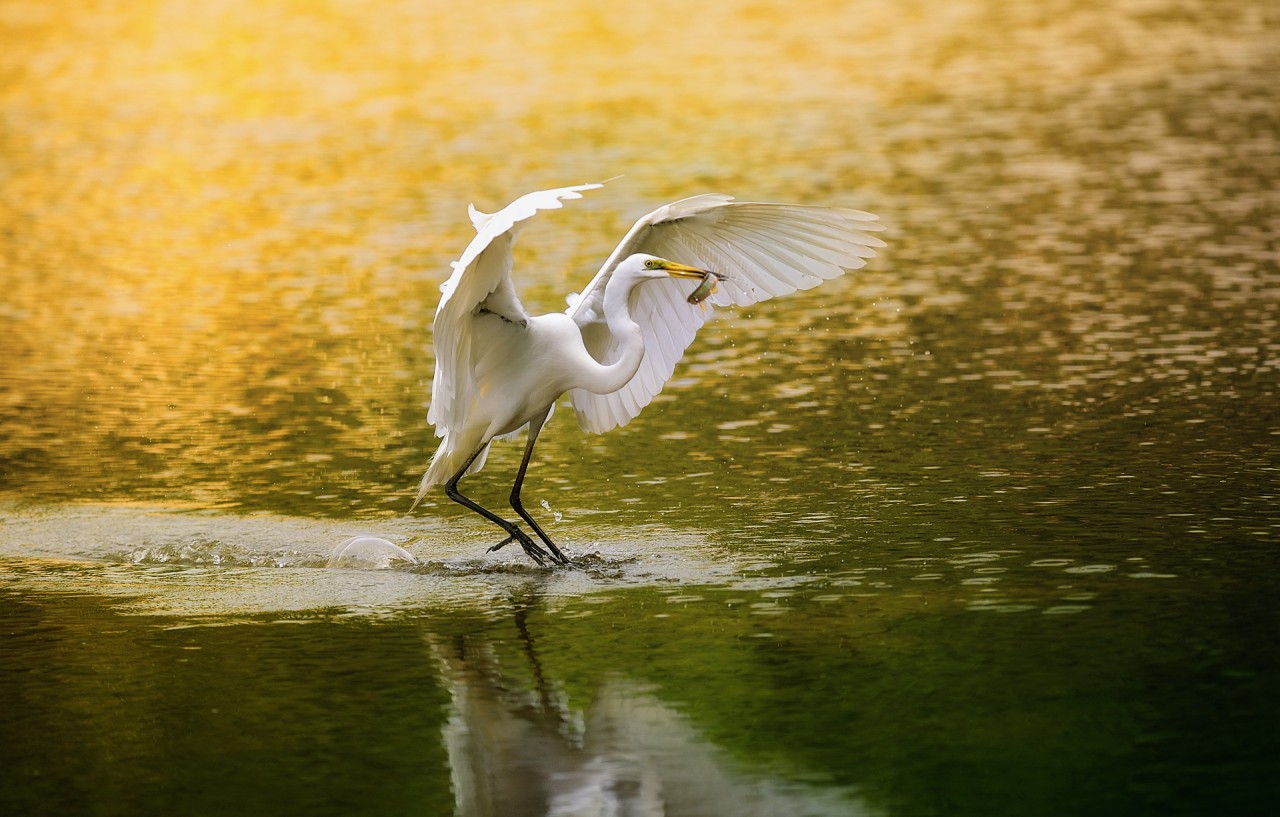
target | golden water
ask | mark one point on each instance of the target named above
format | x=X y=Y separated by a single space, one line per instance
x=222 y=228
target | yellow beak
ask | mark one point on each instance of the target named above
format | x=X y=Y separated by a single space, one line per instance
x=684 y=270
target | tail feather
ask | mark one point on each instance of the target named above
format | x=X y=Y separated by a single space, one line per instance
x=446 y=462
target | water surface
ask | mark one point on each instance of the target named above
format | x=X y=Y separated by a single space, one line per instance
x=987 y=527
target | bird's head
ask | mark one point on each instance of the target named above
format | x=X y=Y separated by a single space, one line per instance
x=639 y=268
x=649 y=266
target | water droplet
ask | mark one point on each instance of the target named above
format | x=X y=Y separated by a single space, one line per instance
x=555 y=515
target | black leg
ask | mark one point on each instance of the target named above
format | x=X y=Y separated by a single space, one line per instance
x=451 y=490
x=535 y=427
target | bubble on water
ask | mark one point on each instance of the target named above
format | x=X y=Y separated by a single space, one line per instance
x=370 y=553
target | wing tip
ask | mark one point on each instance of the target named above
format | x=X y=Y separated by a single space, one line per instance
x=478 y=219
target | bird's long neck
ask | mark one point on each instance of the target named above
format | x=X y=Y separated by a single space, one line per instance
x=610 y=377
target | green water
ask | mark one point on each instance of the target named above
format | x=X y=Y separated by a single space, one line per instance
x=988 y=527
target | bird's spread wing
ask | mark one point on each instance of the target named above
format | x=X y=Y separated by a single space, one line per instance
x=765 y=250
x=481 y=279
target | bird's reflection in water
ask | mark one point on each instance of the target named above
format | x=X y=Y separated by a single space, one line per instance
x=516 y=749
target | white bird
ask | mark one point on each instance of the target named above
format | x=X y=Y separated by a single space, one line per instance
x=500 y=370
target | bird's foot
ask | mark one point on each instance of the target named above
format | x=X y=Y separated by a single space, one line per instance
x=531 y=548
x=501 y=544
x=556 y=555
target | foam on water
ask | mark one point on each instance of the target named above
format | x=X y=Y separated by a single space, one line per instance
x=209 y=564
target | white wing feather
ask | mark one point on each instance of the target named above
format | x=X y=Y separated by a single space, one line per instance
x=481 y=278
x=765 y=249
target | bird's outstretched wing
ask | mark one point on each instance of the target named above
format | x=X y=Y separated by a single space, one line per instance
x=481 y=279
x=765 y=250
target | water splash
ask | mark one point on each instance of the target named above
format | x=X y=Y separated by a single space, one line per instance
x=546 y=506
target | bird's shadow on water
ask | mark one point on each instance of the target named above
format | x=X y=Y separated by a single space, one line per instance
x=517 y=745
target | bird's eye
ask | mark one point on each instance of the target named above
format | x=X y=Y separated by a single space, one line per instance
x=652 y=263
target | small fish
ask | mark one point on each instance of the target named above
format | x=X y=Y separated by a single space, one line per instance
x=705 y=288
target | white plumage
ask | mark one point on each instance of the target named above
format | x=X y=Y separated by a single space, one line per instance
x=765 y=250
x=500 y=369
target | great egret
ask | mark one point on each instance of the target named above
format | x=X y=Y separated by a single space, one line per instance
x=500 y=369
